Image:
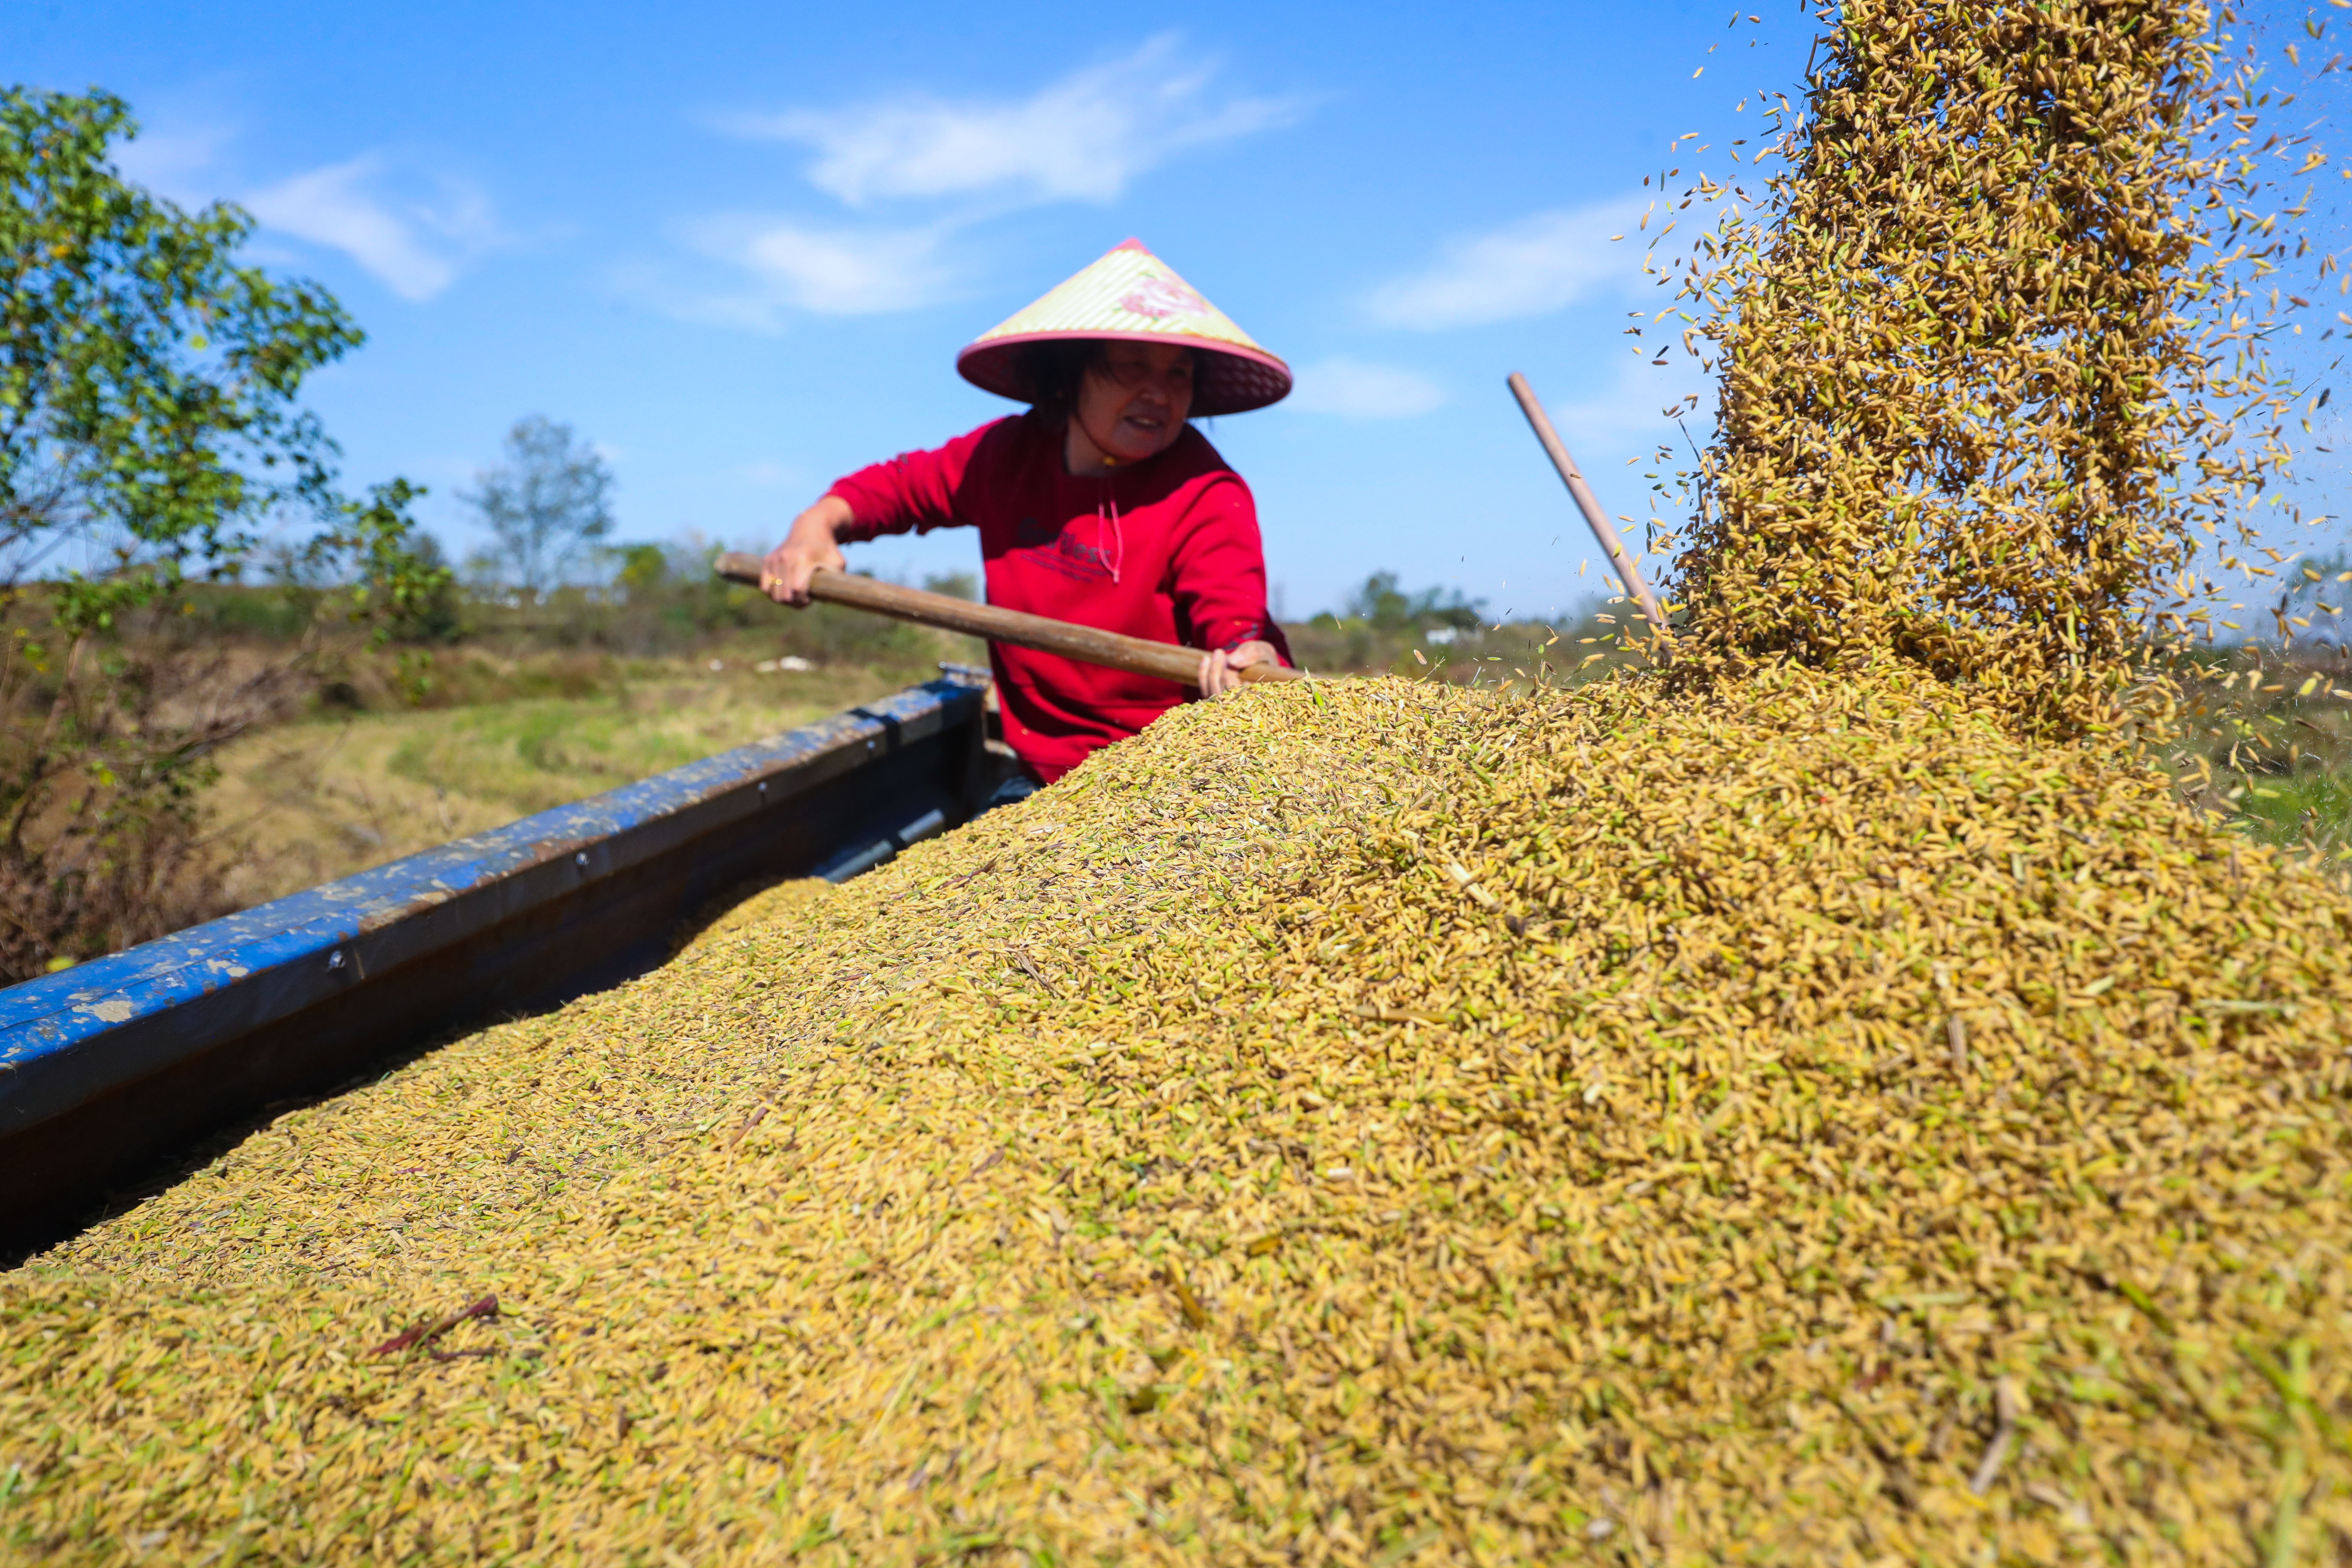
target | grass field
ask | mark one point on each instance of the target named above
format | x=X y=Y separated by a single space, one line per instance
x=2268 y=742
x=2315 y=803
x=324 y=797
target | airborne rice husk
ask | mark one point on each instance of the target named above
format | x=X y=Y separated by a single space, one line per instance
x=1258 y=1148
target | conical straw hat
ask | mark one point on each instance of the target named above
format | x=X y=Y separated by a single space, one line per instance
x=1133 y=294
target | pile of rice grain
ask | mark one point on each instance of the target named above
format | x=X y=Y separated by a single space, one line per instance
x=1782 y=1112
x=1370 y=1123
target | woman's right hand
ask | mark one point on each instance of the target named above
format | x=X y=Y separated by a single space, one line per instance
x=814 y=542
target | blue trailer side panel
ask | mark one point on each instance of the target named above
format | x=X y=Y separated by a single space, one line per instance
x=104 y=1067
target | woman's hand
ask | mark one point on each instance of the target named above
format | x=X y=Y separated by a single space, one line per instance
x=813 y=542
x=1221 y=668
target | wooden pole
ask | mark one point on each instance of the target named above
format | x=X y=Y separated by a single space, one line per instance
x=1138 y=655
x=1620 y=558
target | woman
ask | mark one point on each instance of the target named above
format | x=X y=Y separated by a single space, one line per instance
x=1101 y=505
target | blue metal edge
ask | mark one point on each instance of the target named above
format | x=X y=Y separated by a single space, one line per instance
x=54 y=1031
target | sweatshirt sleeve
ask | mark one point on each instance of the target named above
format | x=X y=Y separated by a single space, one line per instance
x=912 y=493
x=1218 y=569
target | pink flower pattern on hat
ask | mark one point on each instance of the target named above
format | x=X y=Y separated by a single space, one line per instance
x=1161 y=297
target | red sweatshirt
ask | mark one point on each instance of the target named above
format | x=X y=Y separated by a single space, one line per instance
x=1167 y=548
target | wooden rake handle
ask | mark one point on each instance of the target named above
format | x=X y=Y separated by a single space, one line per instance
x=1604 y=532
x=1137 y=655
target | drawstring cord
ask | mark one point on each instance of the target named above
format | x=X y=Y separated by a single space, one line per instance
x=1114 y=533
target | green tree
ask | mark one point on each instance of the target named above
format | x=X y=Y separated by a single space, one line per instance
x=954 y=585
x=644 y=571
x=1382 y=603
x=148 y=382
x=547 y=504
x=149 y=421
x=398 y=586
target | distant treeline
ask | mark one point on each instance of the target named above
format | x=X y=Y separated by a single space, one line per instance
x=660 y=601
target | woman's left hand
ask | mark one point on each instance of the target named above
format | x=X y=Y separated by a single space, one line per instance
x=1221 y=668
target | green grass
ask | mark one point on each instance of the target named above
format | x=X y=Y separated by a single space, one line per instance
x=2311 y=806
x=2276 y=739
x=541 y=753
x=306 y=803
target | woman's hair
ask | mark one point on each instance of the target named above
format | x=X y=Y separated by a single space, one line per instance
x=1053 y=370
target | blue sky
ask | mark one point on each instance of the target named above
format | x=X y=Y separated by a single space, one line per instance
x=738 y=245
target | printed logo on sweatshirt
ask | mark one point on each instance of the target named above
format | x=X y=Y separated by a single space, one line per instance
x=1057 y=548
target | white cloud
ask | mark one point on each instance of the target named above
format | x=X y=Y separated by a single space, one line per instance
x=414 y=244
x=795 y=267
x=1531 y=268
x=1636 y=404
x=1084 y=137
x=413 y=231
x=1352 y=389
x=1081 y=138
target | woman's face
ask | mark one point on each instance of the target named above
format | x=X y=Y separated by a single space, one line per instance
x=1133 y=405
